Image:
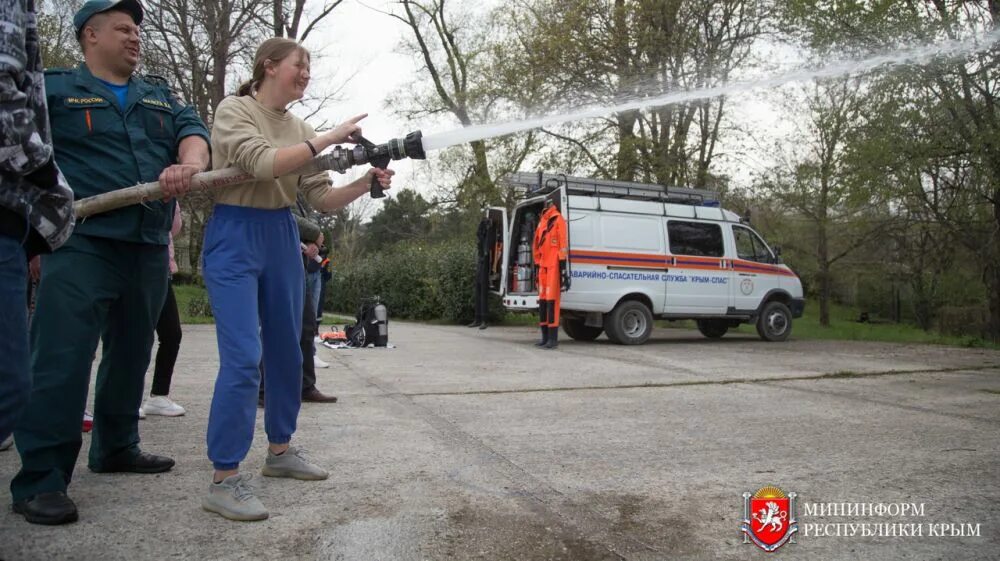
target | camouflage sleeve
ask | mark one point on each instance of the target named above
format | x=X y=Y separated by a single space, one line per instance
x=25 y=143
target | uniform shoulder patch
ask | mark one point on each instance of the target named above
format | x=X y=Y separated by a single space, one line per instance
x=160 y=82
x=156 y=80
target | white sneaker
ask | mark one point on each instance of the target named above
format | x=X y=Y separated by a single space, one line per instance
x=142 y=412
x=162 y=405
x=234 y=499
x=317 y=339
x=320 y=363
x=293 y=463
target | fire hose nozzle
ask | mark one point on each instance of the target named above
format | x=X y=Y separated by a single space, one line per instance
x=340 y=159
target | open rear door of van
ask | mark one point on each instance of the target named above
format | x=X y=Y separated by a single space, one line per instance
x=564 y=210
x=499 y=249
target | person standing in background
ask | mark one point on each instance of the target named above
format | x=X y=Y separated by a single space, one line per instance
x=326 y=275
x=484 y=237
x=168 y=333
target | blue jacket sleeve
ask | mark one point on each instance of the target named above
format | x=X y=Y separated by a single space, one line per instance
x=187 y=122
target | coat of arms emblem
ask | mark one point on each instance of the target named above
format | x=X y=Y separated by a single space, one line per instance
x=769 y=518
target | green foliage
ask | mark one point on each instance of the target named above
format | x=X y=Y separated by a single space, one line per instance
x=188 y=278
x=403 y=217
x=193 y=304
x=415 y=281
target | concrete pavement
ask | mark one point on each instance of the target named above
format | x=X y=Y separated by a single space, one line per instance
x=468 y=444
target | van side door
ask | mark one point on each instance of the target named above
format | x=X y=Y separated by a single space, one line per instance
x=499 y=249
x=698 y=279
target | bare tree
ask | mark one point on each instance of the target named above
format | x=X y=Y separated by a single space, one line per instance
x=56 y=34
x=845 y=209
x=582 y=52
x=453 y=56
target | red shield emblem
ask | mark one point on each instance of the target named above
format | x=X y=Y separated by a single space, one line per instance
x=769 y=518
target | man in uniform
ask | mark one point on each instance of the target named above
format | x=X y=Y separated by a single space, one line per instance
x=484 y=239
x=551 y=248
x=111 y=129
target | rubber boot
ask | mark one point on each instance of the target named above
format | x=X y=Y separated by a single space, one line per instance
x=553 y=338
x=545 y=337
x=543 y=315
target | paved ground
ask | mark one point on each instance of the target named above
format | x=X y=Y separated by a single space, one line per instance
x=466 y=444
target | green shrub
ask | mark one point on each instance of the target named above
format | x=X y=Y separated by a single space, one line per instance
x=964 y=321
x=415 y=281
x=187 y=278
x=198 y=306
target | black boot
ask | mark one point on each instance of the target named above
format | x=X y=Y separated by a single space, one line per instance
x=543 y=318
x=545 y=337
x=553 y=338
x=475 y=323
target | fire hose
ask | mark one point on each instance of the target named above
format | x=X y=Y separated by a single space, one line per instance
x=339 y=159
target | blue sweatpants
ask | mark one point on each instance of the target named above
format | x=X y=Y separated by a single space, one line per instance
x=253 y=272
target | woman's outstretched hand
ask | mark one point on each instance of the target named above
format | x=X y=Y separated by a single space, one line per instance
x=348 y=131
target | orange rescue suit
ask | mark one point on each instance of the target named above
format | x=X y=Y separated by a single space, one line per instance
x=551 y=248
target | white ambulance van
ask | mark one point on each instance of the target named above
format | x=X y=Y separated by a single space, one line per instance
x=640 y=252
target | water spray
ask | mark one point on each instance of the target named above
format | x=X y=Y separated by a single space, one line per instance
x=909 y=56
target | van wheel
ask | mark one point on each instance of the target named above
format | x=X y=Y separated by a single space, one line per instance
x=578 y=330
x=712 y=328
x=774 y=322
x=630 y=323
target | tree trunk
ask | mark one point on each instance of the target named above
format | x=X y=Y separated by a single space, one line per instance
x=824 y=280
x=823 y=249
x=482 y=187
x=627 y=162
x=991 y=275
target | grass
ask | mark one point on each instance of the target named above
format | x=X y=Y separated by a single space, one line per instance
x=843 y=324
x=186 y=293
x=845 y=327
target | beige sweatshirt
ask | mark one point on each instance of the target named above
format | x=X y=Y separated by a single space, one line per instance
x=247 y=135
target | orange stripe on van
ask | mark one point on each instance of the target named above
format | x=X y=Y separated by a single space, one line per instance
x=744 y=266
x=686 y=262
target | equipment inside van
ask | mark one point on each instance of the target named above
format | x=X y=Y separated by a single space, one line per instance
x=640 y=252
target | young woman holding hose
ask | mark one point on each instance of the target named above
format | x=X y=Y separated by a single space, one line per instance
x=253 y=270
